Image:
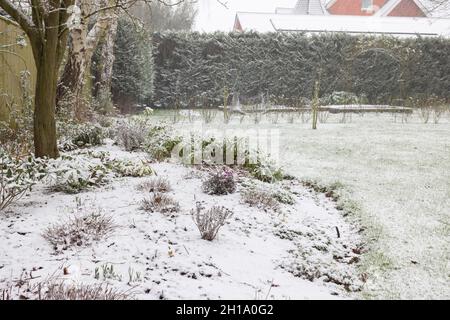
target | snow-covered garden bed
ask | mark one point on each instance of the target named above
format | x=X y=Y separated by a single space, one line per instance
x=282 y=240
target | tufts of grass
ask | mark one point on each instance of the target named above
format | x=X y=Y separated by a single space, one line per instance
x=79 y=231
x=160 y=202
x=157 y=184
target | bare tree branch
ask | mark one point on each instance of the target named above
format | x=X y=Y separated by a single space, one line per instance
x=19 y=16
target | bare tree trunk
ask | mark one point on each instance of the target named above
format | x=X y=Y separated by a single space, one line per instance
x=45 y=140
x=81 y=49
x=47 y=55
x=108 y=58
x=71 y=82
x=315 y=105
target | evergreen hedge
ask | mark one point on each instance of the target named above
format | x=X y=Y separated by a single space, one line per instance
x=193 y=69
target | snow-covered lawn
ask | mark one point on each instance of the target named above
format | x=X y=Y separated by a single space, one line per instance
x=396 y=177
x=161 y=256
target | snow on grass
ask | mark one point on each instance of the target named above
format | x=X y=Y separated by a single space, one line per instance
x=396 y=181
x=151 y=255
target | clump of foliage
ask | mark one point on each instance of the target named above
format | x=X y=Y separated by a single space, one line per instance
x=78 y=176
x=160 y=202
x=264 y=169
x=17 y=176
x=132 y=133
x=259 y=165
x=379 y=68
x=261 y=199
x=343 y=98
x=157 y=184
x=220 y=182
x=75 y=174
x=210 y=221
x=132 y=80
x=56 y=289
x=81 y=230
x=74 y=135
x=266 y=197
x=63 y=291
x=129 y=168
x=161 y=141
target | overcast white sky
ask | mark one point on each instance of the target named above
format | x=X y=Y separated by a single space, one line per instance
x=213 y=16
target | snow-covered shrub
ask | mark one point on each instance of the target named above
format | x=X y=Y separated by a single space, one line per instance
x=64 y=291
x=90 y=169
x=342 y=98
x=55 y=289
x=81 y=230
x=128 y=168
x=161 y=141
x=105 y=121
x=259 y=165
x=264 y=169
x=220 y=182
x=266 y=196
x=283 y=196
x=210 y=221
x=261 y=199
x=75 y=179
x=132 y=133
x=160 y=202
x=157 y=184
x=74 y=136
x=17 y=176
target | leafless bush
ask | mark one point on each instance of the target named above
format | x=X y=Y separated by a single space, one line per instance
x=261 y=199
x=160 y=202
x=208 y=115
x=323 y=116
x=210 y=221
x=193 y=174
x=290 y=117
x=305 y=116
x=51 y=288
x=274 y=117
x=79 y=231
x=424 y=114
x=257 y=116
x=131 y=134
x=157 y=184
x=438 y=112
x=346 y=117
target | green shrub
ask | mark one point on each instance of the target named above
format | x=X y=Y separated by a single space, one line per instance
x=72 y=179
x=17 y=176
x=129 y=168
x=74 y=136
x=160 y=142
x=76 y=174
x=189 y=65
